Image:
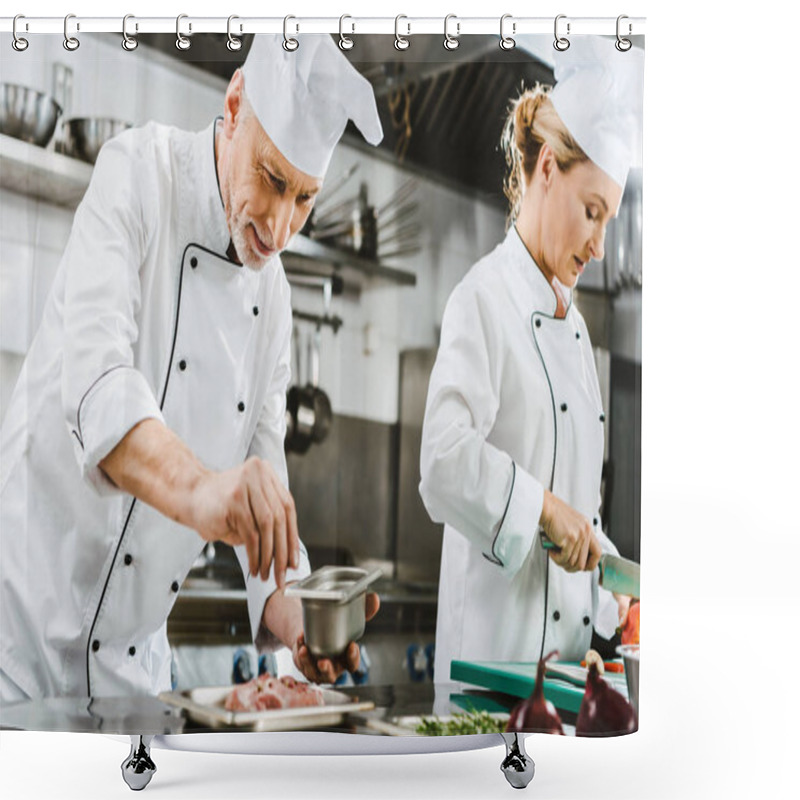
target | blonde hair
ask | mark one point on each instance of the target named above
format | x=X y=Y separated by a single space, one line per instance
x=533 y=120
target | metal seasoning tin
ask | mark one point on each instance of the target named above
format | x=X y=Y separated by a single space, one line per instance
x=334 y=602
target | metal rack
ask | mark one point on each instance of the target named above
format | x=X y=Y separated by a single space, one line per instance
x=61 y=180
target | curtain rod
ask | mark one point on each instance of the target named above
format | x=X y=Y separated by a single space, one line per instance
x=407 y=26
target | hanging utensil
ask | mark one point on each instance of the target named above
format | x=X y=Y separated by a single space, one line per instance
x=295 y=441
x=329 y=191
x=401 y=195
x=404 y=251
x=337 y=213
x=402 y=214
x=309 y=406
x=411 y=230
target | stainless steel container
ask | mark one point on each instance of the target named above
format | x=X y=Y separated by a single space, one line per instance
x=83 y=137
x=27 y=114
x=334 y=603
x=630 y=658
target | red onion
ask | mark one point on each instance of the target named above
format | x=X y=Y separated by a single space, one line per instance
x=604 y=711
x=536 y=715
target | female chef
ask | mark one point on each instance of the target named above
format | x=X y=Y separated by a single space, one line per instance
x=512 y=441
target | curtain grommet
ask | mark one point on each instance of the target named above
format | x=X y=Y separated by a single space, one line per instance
x=19 y=43
x=71 y=43
x=401 y=42
x=451 y=42
x=182 y=42
x=622 y=44
x=561 y=43
x=507 y=42
x=345 y=42
x=289 y=44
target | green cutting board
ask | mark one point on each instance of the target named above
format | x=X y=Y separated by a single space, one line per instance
x=516 y=678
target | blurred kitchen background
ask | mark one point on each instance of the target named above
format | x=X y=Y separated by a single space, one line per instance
x=395 y=229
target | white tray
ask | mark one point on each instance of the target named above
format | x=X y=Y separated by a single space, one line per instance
x=206 y=706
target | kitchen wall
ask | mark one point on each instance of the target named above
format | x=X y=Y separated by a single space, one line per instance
x=144 y=85
x=360 y=365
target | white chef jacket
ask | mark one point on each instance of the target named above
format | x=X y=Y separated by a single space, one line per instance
x=147 y=318
x=513 y=408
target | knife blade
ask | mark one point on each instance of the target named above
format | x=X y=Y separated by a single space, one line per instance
x=617 y=574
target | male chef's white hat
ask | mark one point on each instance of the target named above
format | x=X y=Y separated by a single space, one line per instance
x=304 y=98
x=598 y=95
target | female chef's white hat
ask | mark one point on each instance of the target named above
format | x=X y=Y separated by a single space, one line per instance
x=598 y=95
x=304 y=98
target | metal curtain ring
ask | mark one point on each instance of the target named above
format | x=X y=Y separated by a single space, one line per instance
x=561 y=43
x=70 y=42
x=290 y=45
x=507 y=42
x=345 y=42
x=623 y=45
x=19 y=44
x=400 y=42
x=128 y=42
x=233 y=44
x=182 y=42
x=451 y=42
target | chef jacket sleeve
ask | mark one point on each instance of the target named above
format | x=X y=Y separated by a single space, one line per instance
x=467 y=482
x=103 y=394
x=267 y=443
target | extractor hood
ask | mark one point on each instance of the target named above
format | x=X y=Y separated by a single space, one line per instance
x=442 y=111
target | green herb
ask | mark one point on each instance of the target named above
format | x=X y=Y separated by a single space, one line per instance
x=461 y=724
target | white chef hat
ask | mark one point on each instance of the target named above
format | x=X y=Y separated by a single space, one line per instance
x=598 y=95
x=304 y=98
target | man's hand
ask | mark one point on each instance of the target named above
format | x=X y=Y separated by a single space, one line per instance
x=249 y=505
x=327 y=670
x=572 y=532
x=245 y=505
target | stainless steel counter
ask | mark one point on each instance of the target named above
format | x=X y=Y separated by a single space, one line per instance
x=148 y=715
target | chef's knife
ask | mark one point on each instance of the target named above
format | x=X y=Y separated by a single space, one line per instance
x=616 y=574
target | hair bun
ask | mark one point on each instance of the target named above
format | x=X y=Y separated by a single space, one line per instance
x=527 y=106
x=531 y=122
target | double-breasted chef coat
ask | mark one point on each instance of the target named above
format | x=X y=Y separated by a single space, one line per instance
x=513 y=408
x=147 y=318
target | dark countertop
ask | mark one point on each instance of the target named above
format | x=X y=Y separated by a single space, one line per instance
x=149 y=715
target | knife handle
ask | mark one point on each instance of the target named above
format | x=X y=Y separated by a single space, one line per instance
x=547 y=543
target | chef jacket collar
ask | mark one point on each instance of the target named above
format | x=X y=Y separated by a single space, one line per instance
x=211 y=209
x=544 y=296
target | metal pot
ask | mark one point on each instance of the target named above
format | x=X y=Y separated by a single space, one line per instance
x=630 y=658
x=83 y=137
x=334 y=605
x=27 y=114
x=309 y=415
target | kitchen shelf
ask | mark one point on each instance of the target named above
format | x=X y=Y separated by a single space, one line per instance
x=45 y=175
x=347 y=264
x=33 y=171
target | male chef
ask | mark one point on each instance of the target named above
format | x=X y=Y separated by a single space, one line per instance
x=148 y=418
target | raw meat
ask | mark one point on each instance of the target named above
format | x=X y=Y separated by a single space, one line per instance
x=265 y=693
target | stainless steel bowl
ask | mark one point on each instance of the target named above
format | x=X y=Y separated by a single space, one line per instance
x=334 y=603
x=27 y=114
x=84 y=136
x=630 y=658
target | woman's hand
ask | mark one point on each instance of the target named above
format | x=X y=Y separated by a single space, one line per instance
x=623 y=606
x=572 y=533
